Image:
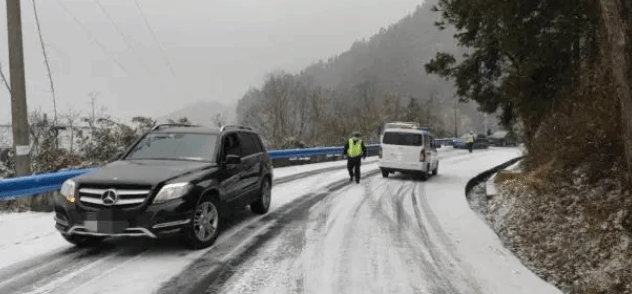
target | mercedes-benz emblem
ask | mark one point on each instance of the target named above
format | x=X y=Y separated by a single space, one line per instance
x=109 y=197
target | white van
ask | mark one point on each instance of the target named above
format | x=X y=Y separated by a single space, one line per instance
x=408 y=148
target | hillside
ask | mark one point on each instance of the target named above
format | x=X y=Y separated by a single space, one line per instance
x=395 y=59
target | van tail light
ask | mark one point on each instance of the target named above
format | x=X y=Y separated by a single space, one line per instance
x=379 y=153
x=422 y=155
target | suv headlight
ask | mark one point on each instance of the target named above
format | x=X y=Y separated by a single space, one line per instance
x=172 y=191
x=68 y=190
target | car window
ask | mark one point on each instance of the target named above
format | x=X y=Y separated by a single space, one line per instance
x=426 y=141
x=175 y=146
x=231 y=146
x=247 y=144
x=405 y=139
x=256 y=142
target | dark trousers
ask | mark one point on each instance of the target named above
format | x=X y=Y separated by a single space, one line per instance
x=470 y=146
x=353 y=165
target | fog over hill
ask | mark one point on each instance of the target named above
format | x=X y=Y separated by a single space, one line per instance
x=394 y=59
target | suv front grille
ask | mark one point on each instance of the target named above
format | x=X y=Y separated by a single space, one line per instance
x=92 y=197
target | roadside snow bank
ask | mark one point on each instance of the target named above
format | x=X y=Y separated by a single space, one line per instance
x=574 y=236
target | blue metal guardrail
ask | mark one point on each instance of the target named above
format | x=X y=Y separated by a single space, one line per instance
x=37 y=184
x=48 y=182
x=444 y=141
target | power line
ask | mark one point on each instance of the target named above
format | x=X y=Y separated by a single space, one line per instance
x=92 y=37
x=129 y=42
x=126 y=39
x=4 y=79
x=153 y=34
x=50 y=75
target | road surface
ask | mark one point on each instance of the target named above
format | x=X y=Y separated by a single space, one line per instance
x=322 y=235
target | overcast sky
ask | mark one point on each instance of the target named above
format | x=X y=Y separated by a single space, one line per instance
x=217 y=48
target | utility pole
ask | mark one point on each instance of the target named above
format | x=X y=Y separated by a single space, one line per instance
x=455 y=123
x=19 y=114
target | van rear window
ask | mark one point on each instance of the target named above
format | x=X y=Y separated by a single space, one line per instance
x=406 y=139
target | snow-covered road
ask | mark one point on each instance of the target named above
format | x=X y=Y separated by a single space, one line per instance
x=322 y=235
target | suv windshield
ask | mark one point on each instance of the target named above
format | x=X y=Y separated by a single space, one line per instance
x=175 y=146
x=406 y=139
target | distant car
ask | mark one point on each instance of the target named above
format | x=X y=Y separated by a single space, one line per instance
x=480 y=142
x=408 y=148
x=176 y=179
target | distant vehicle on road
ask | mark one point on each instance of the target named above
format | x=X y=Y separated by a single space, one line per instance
x=503 y=138
x=480 y=142
x=176 y=179
x=408 y=148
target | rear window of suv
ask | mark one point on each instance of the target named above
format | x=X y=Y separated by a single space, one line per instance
x=405 y=139
x=176 y=146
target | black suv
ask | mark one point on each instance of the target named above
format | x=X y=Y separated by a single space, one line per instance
x=176 y=179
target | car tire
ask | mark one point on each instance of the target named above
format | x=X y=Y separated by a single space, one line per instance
x=425 y=174
x=204 y=229
x=385 y=173
x=262 y=205
x=83 y=241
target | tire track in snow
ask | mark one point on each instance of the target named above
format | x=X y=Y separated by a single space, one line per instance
x=445 y=262
x=415 y=256
x=293 y=215
x=210 y=272
x=53 y=276
x=37 y=271
x=278 y=267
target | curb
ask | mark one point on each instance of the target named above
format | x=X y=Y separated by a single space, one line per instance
x=486 y=175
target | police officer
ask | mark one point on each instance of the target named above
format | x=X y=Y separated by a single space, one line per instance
x=354 y=150
x=470 y=141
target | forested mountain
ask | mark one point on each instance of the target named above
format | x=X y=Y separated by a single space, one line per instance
x=394 y=58
x=377 y=80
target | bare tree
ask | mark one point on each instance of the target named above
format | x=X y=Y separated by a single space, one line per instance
x=277 y=91
x=143 y=124
x=72 y=118
x=219 y=119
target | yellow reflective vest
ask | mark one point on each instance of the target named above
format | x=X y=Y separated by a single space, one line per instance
x=354 y=149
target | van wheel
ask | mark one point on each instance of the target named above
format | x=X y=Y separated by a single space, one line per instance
x=83 y=241
x=385 y=173
x=204 y=229
x=262 y=205
x=436 y=170
x=423 y=176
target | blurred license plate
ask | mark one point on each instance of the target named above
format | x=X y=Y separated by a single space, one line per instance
x=106 y=222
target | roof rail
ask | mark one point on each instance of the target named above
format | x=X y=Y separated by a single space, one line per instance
x=157 y=127
x=398 y=124
x=234 y=126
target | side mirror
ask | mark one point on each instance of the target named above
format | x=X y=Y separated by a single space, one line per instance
x=232 y=159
